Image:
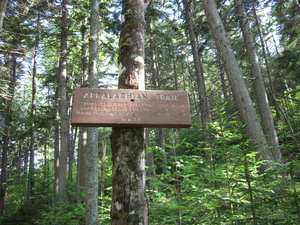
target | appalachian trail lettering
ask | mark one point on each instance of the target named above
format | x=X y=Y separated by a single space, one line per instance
x=130 y=108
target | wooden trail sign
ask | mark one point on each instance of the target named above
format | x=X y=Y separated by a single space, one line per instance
x=93 y=107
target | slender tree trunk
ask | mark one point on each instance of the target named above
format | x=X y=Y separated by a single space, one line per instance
x=161 y=142
x=204 y=109
x=91 y=215
x=151 y=173
x=129 y=203
x=154 y=72
x=156 y=86
x=81 y=161
x=84 y=53
x=175 y=74
x=258 y=82
x=4 y=158
x=223 y=81
x=56 y=143
x=238 y=86
x=46 y=184
x=102 y=184
x=265 y=52
x=82 y=143
x=32 y=135
x=7 y=133
x=63 y=107
x=72 y=152
x=33 y=111
x=3 y=4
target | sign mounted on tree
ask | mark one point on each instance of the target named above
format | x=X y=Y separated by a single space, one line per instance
x=93 y=107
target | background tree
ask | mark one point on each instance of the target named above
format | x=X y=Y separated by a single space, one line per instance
x=33 y=111
x=204 y=109
x=239 y=89
x=258 y=82
x=91 y=163
x=63 y=107
x=2 y=12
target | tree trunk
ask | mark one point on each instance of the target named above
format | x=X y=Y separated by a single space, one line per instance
x=129 y=203
x=161 y=140
x=151 y=173
x=56 y=143
x=91 y=214
x=266 y=57
x=72 y=142
x=33 y=112
x=156 y=86
x=3 y=5
x=7 y=132
x=102 y=184
x=238 y=86
x=84 y=52
x=63 y=108
x=154 y=73
x=154 y=80
x=258 y=83
x=81 y=161
x=204 y=109
x=82 y=143
x=223 y=81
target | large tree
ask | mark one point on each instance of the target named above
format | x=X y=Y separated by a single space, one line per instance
x=204 y=108
x=238 y=86
x=129 y=203
x=7 y=134
x=258 y=81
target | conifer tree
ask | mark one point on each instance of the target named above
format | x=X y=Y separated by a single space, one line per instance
x=258 y=82
x=238 y=86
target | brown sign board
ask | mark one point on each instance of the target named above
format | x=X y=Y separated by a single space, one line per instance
x=93 y=107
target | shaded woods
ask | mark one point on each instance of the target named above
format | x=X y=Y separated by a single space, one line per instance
x=237 y=164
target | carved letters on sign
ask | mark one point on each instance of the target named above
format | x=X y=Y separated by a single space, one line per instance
x=130 y=108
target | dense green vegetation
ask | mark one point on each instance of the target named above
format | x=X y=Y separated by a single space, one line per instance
x=203 y=175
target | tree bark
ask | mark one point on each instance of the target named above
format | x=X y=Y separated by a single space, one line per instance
x=3 y=5
x=81 y=161
x=238 y=86
x=151 y=173
x=266 y=57
x=129 y=203
x=63 y=108
x=82 y=143
x=161 y=140
x=258 y=82
x=7 y=132
x=102 y=184
x=56 y=143
x=204 y=109
x=72 y=142
x=91 y=215
x=33 y=112
x=156 y=86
